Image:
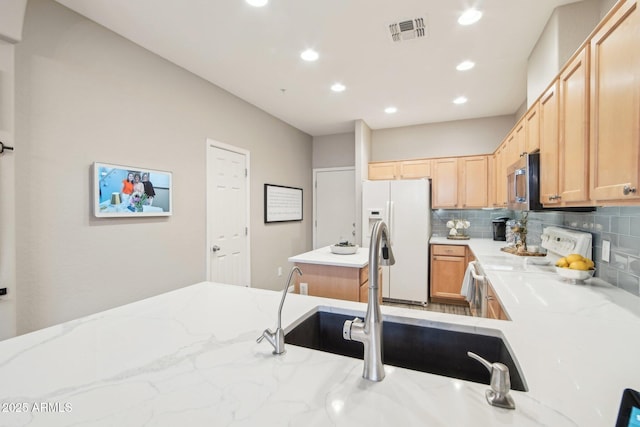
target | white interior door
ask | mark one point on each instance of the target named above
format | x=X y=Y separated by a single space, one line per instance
x=227 y=214
x=334 y=206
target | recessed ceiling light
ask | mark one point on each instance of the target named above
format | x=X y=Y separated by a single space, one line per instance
x=257 y=3
x=460 y=100
x=390 y=110
x=465 y=65
x=469 y=16
x=309 y=55
x=338 y=87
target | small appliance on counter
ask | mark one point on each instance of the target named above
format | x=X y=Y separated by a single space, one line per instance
x=500 y=228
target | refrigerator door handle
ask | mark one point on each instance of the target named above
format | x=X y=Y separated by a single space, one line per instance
x=390 y=210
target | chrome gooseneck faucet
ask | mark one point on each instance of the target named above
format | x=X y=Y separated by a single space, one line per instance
x=369 y=332
x=276 y=339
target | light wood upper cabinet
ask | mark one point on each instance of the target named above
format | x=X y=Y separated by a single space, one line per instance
x=501 y=176
x=383 y=170
x=548 y=111
x=472 y=174
x=492 y=199
x=520 y=141
x=615 y=107
x=460 y=182
x=412 y=169
x=402 y=169
x=444 y=183
x=532 y=128
x=573 y=152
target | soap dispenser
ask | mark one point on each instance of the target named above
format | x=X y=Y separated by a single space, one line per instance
x=498 y=394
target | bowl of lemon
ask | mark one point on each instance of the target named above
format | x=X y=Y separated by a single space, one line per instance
x=575 y=267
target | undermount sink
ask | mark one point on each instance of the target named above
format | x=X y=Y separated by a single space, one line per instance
x=409 y=344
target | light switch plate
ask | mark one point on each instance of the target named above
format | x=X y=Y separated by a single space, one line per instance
x=606 y=250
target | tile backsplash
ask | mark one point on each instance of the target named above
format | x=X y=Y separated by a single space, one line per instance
x=618 y=225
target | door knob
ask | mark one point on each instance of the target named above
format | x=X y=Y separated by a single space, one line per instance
x=215 y=248
x=628 y=189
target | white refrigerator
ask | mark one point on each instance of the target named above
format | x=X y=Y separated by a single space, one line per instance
x=405 y=207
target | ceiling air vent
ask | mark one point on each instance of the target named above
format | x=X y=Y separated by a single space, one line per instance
x=408 y=30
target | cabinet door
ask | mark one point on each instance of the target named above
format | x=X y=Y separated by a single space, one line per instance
x=447 y=273
x=473 y=182
x=494 y=308
x=615 y=107
x=383 y=170
x=549 y=146
x=411 y=169
x=574 y=130
x=511 y=153
x=501 y=176
x=521 y=140
x=491 y=181
x=532 y=129
x=445 y=183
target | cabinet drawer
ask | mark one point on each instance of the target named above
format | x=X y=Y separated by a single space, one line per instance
x=449 y=250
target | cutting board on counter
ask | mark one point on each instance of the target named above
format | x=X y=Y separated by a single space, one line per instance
x=514 y=251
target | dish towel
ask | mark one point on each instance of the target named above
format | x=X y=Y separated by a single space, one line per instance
x=468 y=289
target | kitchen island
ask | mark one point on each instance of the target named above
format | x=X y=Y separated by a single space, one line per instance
x=332 y=275
x=189 y=357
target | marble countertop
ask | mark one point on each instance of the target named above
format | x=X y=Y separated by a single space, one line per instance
x=189 y=357
x=324 y=256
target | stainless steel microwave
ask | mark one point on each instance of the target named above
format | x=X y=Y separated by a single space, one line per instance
x=523 y=187
x=523 y=183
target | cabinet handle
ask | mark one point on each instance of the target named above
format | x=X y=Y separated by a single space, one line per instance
x=555 y=197
x=628 y=189
x=489 y=298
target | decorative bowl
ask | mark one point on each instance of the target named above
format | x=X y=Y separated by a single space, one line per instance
x=344 y=250
x=577 y=275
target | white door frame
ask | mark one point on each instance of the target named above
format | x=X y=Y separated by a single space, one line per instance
x=315 y=188
x=217 y=144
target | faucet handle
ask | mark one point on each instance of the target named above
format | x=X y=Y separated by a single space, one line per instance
x=264 y=333
x=346 y=328
x=500 y=383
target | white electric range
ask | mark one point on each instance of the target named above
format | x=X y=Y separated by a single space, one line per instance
x=558 y=242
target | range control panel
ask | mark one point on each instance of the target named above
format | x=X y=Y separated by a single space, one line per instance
x=562 y=242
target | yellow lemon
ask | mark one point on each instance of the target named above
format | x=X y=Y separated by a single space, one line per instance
x=590 y=263
x=579 y=265
x=562 y=262
x=573 y=258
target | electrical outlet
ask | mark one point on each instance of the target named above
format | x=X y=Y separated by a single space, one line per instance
x=606 y=250
x=304 y=289
x=279 y=271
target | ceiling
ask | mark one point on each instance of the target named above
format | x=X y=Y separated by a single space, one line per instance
x=254 y=53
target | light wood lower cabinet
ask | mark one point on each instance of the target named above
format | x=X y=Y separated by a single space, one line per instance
x=329 y=281
x=448 y=265
x=494 y=308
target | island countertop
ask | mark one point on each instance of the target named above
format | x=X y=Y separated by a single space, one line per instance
x=324 y=256
x=189 y=357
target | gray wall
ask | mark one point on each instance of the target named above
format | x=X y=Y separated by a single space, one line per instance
x=7 y=193
x=619 y=225
x=85 y=94
x=567 y=28
x=455 y=138
x=331 y=151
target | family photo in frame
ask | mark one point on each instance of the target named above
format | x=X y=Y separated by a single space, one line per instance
x=126 y=191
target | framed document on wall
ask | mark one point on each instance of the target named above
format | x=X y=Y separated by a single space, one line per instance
x=282 y=204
